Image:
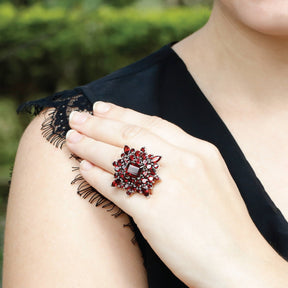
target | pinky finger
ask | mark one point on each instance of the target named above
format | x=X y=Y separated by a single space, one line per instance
x=101 y=180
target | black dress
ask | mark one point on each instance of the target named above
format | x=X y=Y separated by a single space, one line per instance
x=160 y=84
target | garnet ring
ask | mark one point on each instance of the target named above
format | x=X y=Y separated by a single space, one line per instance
x=135 y=171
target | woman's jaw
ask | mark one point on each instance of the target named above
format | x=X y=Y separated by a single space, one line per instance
x=250 y=30
x=269 y=17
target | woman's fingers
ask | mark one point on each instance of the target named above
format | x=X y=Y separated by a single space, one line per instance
x=98 y=153
x=118 y=133
x=155 y=124
x=162 y=128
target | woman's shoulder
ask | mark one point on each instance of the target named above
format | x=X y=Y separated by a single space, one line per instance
x=56 y=229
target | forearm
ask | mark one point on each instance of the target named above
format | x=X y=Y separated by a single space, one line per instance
x=260 y=266
x=257 y=266
x=267 y=271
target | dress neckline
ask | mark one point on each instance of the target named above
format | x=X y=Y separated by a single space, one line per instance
x=229 y=136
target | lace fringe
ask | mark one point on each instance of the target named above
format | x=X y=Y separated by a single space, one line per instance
x=48 y=130
x=85 y=190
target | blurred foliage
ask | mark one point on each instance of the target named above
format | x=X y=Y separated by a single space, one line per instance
x=43 y=50
x=10 y=130
x=96 y=3
x=10 y=133
x=186 y=2
x=69 y=3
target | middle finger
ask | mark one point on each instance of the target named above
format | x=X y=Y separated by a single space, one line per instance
x=99 y=153
x=119 y=134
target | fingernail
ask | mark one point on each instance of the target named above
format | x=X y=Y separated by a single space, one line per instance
x=73 y=137
x=85 y=165
x=101 y=107
x=77 y=117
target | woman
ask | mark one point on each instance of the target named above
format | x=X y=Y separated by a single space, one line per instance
x=209 y=219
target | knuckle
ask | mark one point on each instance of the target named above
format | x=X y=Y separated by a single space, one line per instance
x=210 y=151
x=131 y=132
x=192 y=162
x=155 y=121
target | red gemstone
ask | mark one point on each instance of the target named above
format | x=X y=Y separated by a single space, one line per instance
x=156 y=159
x=126 y=150
x=131 y=157
x=133 y=170
x=143 y=149
x=137 y=153
x=146 y=192
x=156 y=166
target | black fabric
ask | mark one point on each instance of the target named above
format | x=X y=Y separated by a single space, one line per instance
x=160 y=84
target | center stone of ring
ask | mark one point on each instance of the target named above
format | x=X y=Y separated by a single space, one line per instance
x=133 y=170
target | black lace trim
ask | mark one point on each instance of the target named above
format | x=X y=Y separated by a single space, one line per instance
x=54 y=129
x=85 y=190
x=56 y=123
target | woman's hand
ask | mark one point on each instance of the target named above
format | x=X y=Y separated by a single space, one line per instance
x=195 y=220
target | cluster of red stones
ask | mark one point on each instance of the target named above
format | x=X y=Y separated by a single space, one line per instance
x=136 y=171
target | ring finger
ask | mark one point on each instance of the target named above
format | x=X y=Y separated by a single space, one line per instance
x=99 y=153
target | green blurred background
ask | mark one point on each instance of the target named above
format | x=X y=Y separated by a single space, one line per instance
x=52 y=45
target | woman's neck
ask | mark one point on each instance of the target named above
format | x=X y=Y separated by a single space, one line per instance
x=227 y=57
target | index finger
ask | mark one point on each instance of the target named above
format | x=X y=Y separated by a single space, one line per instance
x=162 y=128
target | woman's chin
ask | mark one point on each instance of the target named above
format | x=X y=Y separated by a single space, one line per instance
x=265 y=16
x=274 y=25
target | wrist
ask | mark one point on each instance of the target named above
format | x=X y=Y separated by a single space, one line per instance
x=258 y=266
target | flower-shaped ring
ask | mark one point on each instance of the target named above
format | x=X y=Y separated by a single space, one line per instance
x=135 y=171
